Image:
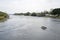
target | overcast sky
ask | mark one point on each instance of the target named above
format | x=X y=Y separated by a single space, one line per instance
x=12 y=6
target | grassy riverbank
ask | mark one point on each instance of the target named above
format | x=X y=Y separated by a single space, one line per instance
x=3 y=15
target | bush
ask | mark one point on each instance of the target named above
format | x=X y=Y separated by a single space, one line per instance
x=56 y=11
x=33 y=14
x=27 y=14
x=3 y=15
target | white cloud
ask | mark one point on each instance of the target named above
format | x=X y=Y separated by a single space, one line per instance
x=27 y=5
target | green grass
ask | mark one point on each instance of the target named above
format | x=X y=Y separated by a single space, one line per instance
x=3 y=15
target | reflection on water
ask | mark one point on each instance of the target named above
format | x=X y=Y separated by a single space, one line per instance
x=56 y=20
x=3 y=20
x=29 y=28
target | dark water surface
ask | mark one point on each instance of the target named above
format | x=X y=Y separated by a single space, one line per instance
x=28 y=28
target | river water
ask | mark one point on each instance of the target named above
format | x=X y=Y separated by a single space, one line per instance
x=29 y=28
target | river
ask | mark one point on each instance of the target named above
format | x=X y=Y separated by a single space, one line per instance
x=29 y=28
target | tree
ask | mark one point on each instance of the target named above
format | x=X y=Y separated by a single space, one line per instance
x=33 y=14
x=27 y=14
x=56 y=11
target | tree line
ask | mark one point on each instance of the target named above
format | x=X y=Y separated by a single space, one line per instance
x=53 y=12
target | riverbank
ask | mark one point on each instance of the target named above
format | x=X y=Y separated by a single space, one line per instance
x=42 y=16
x=53 y=17
x=3 y=15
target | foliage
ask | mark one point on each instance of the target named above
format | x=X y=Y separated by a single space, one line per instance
x=33 y=14
x=27 y=14
x=56 y=11
x=18 y=14
x=3 y=15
